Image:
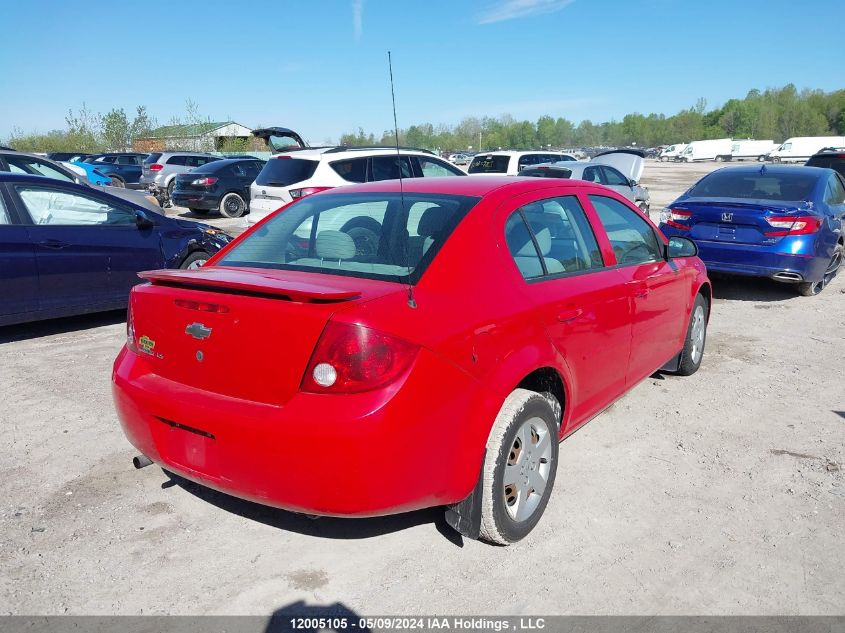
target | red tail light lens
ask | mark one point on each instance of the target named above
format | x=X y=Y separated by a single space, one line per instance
x=676 y=216
x=204 y=182
x=156 y=167
x=296 y=194
x=793 y=225
x=351 y=358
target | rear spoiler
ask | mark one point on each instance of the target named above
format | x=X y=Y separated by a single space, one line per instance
x=252 y=281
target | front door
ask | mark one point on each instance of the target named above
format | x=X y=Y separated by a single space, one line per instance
x=18 y=272
x=656 y=287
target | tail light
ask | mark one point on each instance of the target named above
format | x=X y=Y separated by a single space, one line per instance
x=204 y=182
x=296 y=194
x=156 y=167
x=793 y=225
x=676 y=216
x=351 y=358
x=130 y=330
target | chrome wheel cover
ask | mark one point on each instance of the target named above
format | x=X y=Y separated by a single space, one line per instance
x=527 y=470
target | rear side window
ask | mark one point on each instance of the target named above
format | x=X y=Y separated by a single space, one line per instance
x=152 y=158
x=489 y=165
x=4 y=216
x=831 y=161
x=353 y=169
x=26 y=165
x=373 y=235
x=126 y=160
x=177 y=160
x=614 y=178
x=755 y=185
x=632 y=238
x=552 y=237
x=387 y=167
x=281 y=172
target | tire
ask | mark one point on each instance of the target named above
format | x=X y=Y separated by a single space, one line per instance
x=199 y=211
x=718 y=159
x=232 y=206
x=695 y=339
x=511 y=509
x=644 y=208
x=776 y=159
x=812 y=288
x=170 y=187
x=194 y=260
x=117 y=181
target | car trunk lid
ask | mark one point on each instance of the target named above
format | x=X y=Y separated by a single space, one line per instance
x=729 y=220
x=629 y=161
x=245 y=333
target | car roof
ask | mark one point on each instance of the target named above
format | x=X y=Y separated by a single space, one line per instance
x=456 y=185
x=333 y=153
x=774 y=170
x=513 y=152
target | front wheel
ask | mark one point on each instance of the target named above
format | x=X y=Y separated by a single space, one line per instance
x=194 y=260
x=232 y=206
x=812 y=288
x=693 y=350
x=519 y=467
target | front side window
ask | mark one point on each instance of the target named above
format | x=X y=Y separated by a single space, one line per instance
x=58 y=207
x=614 y=178
x=552 y=237
x=431 y=168
x=26 y=165
x=631 y=237
x=4 y=215
x=835 y=193
x=373 y=235
x=106 y=159
x=591 y=174
x=526 y=160
x=125 y=160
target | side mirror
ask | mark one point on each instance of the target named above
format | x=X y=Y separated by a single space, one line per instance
x=632 y=182
x=143 y=221
x=681 y=247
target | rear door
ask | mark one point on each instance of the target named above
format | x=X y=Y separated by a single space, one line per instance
x=615 y=180
x=583 y=304
x=657 y=289
x=88 y=247
x=18 y=270
x=388 y=168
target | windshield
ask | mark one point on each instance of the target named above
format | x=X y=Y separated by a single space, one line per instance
x=371 y=235
x=489 y=165
x=756 y=186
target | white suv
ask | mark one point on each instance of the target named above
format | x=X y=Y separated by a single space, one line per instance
x=510 y=163
x=298 y=173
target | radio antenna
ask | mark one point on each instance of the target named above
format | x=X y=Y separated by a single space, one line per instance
x=411 y=302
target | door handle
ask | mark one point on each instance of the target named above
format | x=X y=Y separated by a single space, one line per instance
x=54 y=244
x=569 y=315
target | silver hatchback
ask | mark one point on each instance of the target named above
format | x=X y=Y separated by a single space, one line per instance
x=159 y=171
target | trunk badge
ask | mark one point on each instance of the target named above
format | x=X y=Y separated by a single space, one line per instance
x=727 y=217
x=198 y=331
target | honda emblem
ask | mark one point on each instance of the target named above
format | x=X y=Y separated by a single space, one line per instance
x=727 y=217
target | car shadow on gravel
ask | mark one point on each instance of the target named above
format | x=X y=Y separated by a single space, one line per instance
x=750 y=289
x=66 y=325
x=320 y=527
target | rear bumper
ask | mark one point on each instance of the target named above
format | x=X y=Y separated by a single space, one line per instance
x=195 y=200
x=405 y=447
x=775 y=262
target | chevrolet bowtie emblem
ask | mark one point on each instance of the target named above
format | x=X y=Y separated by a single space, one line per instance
x=198 y=331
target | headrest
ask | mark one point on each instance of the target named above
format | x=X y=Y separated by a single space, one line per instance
x=544 y=240
x=432 y=221
x=335 y=245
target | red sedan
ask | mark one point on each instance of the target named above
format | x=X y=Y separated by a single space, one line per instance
x=376 y=350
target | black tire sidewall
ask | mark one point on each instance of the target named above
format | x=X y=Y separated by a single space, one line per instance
x=192 y=257
x=687 y=366
x=511 y=530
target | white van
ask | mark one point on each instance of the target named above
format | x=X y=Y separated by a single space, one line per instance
x=671 y=152
x=800 y=148
x=750 y=149
x=715 y=149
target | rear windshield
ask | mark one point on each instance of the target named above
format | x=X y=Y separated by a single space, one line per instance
x=547 y=172
x=371 y=235
x=831 y=161
x=281 y=172
x=757 y=186
x=489 y=165
x=152 y=158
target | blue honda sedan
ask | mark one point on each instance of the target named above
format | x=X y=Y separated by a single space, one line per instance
x=781 y=222
x=69 y=249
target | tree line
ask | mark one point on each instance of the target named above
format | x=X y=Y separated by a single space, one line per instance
x=776 y=113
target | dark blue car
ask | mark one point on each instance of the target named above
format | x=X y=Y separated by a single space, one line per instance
x=68 y=249
x=122 y=168
x=781 y=222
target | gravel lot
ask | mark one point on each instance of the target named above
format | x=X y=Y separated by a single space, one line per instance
x=722 y=493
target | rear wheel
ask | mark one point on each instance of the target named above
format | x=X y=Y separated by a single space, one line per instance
x=117 y=181
x=194 y=260
x=693 y=350
x=171 y=185
x=519 y=467
x=232 y=206
x=812 y=288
